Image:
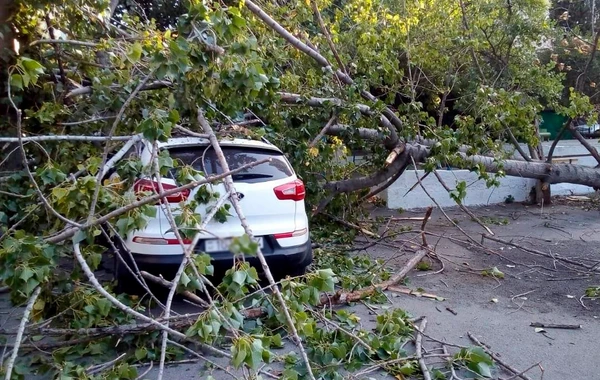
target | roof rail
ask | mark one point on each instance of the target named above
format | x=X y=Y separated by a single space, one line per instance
x=264 y=139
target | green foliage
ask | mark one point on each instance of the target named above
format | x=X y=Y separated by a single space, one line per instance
x=399 y=51
x=477 y=360
x=592 y=292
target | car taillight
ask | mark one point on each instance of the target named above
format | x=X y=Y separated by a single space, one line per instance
x=145 y=185
x=291 y=191
x=286 y=235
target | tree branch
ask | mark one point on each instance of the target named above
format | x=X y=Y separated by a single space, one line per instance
x=64 y=138
x=322 y=61
x=94 y=281
x=235 y=202
x=65 y=42
x=19 y=338
x=323 y=131
x=419 y=349
x=575 y=132
x=578 y=84
x=557 y=139
x=325 y=31
x=517 y=146
x=110 y=133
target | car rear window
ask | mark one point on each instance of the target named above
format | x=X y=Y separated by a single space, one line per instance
x=204 y=158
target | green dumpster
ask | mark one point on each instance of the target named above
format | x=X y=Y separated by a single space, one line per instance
x=552 y=123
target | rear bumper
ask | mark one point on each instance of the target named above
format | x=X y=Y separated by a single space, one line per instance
x=276 y=257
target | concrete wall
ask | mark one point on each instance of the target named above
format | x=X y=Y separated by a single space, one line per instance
x=477 y=192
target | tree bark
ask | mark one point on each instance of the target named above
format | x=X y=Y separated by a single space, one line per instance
x=549 y=173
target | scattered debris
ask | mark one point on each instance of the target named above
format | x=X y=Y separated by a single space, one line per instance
x=578 y=198
x=417 y=293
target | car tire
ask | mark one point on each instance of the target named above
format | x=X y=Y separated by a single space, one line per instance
x=126 y=281
x=299 y=270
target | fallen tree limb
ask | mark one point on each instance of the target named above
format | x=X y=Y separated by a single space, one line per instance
x=575 y=132
x=348 y=297
x=167 y=284
x=393 y=120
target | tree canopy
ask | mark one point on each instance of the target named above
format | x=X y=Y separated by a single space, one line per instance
x=437 y=82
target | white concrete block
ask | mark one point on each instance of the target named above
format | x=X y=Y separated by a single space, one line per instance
x=477 y=192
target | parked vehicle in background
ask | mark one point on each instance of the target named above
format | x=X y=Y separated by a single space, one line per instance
x=271 y=196
x=589 y=131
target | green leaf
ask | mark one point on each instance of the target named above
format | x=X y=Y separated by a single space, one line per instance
x=174 y=116
x=239 y=277
x=32 y=65
x=497 y=273
x=103 y=306
x=184 y=280
x=239 y=355
x=26 y=274
x=140 y=353
x=16 y=80
x=135 y=52
x=483 y=369
x=477 y=355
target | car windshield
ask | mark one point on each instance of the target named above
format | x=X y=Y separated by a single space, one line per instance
x=204 y=158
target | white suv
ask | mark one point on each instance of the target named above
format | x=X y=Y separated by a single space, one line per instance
x=271 y=197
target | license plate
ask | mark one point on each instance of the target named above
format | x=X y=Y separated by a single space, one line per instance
x=221 y=245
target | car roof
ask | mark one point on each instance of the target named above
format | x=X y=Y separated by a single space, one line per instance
x=235 y=142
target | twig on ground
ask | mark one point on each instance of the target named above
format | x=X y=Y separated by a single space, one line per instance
x=24 y=319
x=462 y=206
x=522 y=372
x=555 y=326
x=453 y=375
x=352 y=225
x=497 y=357
x=101 y=367
x=141 y=376
x=411 y=292
x=536 y=252
x=419 y=349
x=425 y=220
